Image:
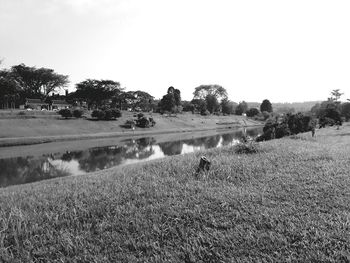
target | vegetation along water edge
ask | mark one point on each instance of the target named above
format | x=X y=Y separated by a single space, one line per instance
x=281 y=200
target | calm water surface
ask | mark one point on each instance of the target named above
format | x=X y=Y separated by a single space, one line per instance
x=20 y=170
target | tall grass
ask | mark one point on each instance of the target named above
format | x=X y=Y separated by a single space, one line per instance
x=289 y=201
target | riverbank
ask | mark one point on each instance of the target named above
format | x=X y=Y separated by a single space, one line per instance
x=288 y=202
x=52 y=128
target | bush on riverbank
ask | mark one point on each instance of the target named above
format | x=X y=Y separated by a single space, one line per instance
x=69 y=113
x=65 y=113
x=290 y=124
x=247 y=147
x=106 y=114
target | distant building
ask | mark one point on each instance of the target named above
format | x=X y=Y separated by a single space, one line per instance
x=59 y=104
x=36 y=104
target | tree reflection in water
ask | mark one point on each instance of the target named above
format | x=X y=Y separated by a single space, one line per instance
x=30 y=169
x=23 y=170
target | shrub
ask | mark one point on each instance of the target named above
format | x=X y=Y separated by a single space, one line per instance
x=143 y=122
x=116 y=113
x=325 y=121
x=330 y=117
x=106 y=114
x=66 y=113
x=247 y=148
x=252 y=112
x=205 y=112
x=99 y=114
x=129 y=124
x=289 y=125
x=77 y=113
x=140 y=115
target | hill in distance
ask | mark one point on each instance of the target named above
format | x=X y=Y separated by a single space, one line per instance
x=281 y=106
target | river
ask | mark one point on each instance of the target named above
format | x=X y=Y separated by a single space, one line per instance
x=30 y=163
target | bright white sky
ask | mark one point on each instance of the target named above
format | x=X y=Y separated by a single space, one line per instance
x=285 y=51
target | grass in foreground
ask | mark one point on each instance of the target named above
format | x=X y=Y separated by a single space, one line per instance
x=288 y=202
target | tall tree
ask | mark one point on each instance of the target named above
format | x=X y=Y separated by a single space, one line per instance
x=142 y=100
x=212 y=103
x=203 y=91
x=10 y=90
x=228 y=107
x=345 y=110
x=171 y=101
x=97 y=93
x=38 y=82
x=336 y=94
x=241 y=108
x=266 y=106
x=200 y=105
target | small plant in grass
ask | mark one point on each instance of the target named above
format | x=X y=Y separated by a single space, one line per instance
x=247 y=148
x=152 y=121
x=66 y=113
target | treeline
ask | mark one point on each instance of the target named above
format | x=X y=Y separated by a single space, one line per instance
x=21 y=82
x=327 y=113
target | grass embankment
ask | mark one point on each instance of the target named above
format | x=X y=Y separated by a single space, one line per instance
x=49 y=127
x=289 y=202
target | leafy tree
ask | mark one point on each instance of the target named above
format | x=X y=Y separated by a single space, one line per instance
x=143 y=100
x=22 y=82
x=266 y=106
x=177 y=96
x=188 y=106
x=289 y=124
x=315 y=110
x=241 y=108
x=212 y=103
x=38 y=82
x=252 y=112
x=123 y=100
x=228 y=107
x=9 y=90
x=203 y=91
x=167 y=103
x=171 y=101
x=330 y=113
x=345 y=110
x=97 y=93
x=200 y=105
x=335 y=95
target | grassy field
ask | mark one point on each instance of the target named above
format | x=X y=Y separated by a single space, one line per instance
x=289 y=202
x=42 y=127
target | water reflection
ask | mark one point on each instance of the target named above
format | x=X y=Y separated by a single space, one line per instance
x=22 y=170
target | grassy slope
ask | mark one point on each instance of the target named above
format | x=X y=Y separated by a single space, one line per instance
x=52 y=125
x=290 y=202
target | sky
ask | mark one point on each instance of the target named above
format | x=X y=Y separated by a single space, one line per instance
x=284 y=51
